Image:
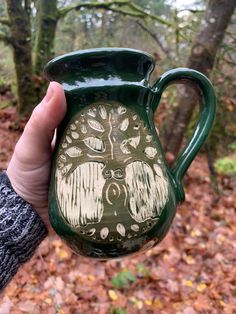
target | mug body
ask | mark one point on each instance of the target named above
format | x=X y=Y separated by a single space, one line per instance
x=111 y=193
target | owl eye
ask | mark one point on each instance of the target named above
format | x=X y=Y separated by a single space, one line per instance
x=95 y=143
x=107 y=174
x=118 y=174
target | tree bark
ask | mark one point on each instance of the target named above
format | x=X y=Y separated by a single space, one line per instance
x=20 y=28
x=202 y=58
x=47 y=18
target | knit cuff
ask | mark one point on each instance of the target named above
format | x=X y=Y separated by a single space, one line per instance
x=21 y=231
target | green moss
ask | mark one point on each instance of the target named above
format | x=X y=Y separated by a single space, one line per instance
x=47 y=17
x=226 y=165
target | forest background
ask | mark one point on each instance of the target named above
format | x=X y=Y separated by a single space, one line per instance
x=193 y=270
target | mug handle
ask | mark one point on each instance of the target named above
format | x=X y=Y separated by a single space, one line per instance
x=204 y=124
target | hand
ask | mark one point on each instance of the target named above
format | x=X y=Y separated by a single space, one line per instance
x=29 y=168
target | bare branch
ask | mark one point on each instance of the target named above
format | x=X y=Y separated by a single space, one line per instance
x=98 y=5
x=115 y=6
x=126 y=12
x=192 y=11
x=137 y=8
x=154 y=36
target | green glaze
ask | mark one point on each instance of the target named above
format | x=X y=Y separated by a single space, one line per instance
x=112 y=192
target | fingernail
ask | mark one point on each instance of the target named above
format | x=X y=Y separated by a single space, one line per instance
x=49 y=93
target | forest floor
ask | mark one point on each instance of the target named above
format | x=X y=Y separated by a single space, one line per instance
x=193 y=270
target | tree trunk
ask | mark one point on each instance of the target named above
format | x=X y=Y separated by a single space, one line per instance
x=20 y=28
x=47 y=17
x=202 y=58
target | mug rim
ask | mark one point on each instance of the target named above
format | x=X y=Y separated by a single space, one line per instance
x=63 y=62
x=91 y=51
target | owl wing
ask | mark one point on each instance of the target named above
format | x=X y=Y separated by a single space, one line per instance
x=80 y=194
x=147 y=190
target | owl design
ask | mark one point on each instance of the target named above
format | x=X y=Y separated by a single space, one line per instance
x=109 y=180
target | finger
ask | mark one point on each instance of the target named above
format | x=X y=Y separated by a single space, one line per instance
x=39 y=131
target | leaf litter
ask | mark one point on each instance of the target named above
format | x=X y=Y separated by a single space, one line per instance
x=192 y=270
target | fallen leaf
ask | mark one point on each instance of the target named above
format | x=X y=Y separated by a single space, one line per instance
x=201 y=287
x=27 y=306
x=188 y=283
x=48 y=301
x=148 y=302
x=172 y=286
x=158 y=304
x=112 y=294
x=189 y=310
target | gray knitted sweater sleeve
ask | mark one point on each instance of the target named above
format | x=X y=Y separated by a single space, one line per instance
x=21 y=231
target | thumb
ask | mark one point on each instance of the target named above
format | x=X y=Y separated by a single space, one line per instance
x=39 y=131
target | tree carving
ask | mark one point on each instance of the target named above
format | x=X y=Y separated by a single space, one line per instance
x=108 y=162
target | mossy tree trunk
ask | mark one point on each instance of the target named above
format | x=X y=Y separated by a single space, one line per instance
x=202 y=58
x=19 y=13
x=47 y=18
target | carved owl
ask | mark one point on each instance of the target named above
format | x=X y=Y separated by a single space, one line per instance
x=109 y=179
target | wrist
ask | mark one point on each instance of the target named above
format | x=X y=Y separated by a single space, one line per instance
x=23 y=193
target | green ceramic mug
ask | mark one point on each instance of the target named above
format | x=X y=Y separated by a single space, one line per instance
x=112 y=192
